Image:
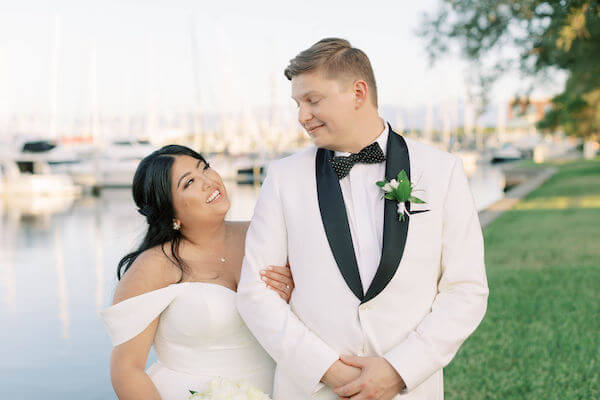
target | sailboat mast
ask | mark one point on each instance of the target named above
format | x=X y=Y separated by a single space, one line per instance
x=197 y=116
x=53 y=130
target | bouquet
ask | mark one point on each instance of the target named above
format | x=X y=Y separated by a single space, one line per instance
x=225 y=389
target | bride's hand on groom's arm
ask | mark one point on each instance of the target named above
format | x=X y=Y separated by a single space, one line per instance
x=279 y=279
x=377 y=380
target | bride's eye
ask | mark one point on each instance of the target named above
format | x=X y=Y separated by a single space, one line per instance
x=188 y=183
x=206 y=166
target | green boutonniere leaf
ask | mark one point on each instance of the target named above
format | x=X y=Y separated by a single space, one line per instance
x=404 y=187
x=402 y=176
x=414 y=199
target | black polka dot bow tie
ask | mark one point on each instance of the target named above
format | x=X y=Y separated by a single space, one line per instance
x=372 y=154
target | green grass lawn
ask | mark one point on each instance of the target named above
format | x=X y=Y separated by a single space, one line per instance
x=540 y=338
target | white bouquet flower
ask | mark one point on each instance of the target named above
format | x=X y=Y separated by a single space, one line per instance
x=225 y=389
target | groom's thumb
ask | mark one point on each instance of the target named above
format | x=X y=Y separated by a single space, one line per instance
x=353 y=361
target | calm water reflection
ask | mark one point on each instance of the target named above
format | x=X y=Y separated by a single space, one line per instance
x=57 y=269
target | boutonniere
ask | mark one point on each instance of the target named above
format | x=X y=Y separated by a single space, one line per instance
x=399 y=190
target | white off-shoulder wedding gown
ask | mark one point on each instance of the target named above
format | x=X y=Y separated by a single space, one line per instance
x=200 y=336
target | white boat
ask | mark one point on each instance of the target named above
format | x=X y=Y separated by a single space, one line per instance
x=247 y=168
x=113 y=166
x=508 y=152
x=36 y=205
x=123 y=150
x=50 y=151
x=31 y=177
x=120 y=159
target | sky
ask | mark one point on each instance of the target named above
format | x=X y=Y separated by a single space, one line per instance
x=122 y=57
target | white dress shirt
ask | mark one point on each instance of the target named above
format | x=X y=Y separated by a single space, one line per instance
x=364 y=206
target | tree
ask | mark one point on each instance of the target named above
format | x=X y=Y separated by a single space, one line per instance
x=545 y=35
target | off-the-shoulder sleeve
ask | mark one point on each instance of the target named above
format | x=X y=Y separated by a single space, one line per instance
x=129 y=318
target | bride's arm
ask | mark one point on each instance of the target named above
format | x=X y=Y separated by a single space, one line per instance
x=128 y=360
x=127 y=367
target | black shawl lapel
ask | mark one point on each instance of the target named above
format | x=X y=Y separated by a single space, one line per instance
x=394 y=231
x=335 y=221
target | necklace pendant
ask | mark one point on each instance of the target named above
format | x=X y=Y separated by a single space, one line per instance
x=222 y=259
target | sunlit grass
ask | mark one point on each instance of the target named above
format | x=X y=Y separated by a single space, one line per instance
x=560 y=203
x=540 y=336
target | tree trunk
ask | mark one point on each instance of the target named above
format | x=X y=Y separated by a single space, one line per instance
x=590 y=148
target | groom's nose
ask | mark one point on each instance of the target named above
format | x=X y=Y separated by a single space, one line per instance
x=304 y=115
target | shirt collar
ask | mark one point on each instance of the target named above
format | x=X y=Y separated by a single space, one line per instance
x=381 y=139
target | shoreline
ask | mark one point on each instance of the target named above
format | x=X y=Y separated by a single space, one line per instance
x=516 y=193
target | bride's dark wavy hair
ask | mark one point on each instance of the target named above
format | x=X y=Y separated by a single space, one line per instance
x=153 y=197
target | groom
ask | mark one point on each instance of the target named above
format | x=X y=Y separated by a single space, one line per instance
x=385 y=291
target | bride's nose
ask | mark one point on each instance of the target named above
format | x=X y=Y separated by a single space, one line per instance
x=207 y=183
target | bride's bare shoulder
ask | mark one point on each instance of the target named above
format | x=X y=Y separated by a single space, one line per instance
x=151 y=270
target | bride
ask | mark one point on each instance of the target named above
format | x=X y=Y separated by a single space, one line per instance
x=177 y=290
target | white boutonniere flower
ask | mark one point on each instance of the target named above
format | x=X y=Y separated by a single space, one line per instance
x=399 y=190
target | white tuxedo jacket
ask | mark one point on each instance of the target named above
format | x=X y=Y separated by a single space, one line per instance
x=428 y=295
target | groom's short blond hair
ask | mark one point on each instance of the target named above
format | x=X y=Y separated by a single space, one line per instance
x=336 y=58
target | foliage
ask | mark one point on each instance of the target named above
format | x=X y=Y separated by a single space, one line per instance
x=546 y=35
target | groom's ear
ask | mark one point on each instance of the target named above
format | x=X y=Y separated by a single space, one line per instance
x=360 y=93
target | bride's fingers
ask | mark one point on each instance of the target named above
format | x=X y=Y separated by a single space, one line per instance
x=280 y=270
x=271 y=274
x=282 y=293
x=285 y=284
x=278 y=277
x=282 y=286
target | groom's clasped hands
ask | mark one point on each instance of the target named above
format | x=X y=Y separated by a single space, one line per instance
x=363 y=378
